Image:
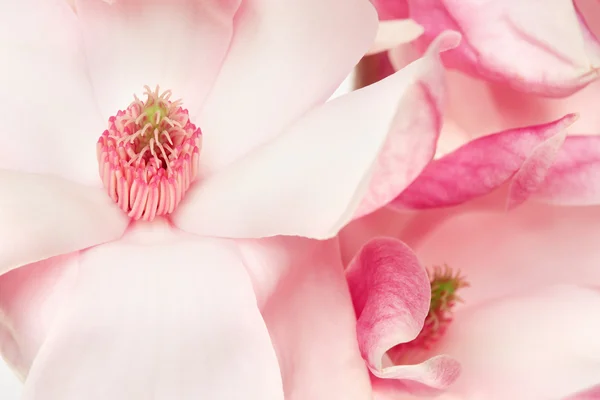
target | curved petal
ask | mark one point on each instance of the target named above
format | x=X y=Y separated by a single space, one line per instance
x=30 y=299
x=391 y=294
x=50 y=123
x=482 y=165
x=158 y=315
x=43 y=216
x=573 y=178
x=285 y=58
x=347 y=158
x=538 y=345
x=562 y=54
x=503 y=253
x=177 y=44
x=310 y=317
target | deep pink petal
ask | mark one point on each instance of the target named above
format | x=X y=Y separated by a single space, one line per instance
x=30 y=299
x=43 y=216
x=573 y=179
x=285 y=58
x=158 y=315
x=391 y=9
x=484 y=164
x=49 y=120
x=541 y=344
x=588 y=394
x=391 y=294
x=347 y=158
x=310 y=317
x=177 y=44
x=562 y=55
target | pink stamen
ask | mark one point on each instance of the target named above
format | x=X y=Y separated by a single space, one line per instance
x=148 y=157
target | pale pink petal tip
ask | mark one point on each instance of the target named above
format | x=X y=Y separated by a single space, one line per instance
x=522 y=156
x=391 y=295
x=391 y=34
x=447 y=40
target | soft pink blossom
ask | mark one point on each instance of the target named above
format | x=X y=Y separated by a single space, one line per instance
x=526 y=329
x=489 y=114
x=197 y=304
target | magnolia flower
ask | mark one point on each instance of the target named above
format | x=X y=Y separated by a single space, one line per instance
x=131 y=265
x=545 y=48
x=487 y=112
x=527 y=280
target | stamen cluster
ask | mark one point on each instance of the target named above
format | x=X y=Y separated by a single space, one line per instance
x=444 y=286
x=148 y=156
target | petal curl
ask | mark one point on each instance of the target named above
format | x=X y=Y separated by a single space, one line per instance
x=177 y=44
x=43 y=216
x=343 y=160
x=482 y=165
x=562 y=54
x=50 y=123
x=538 y=345
x=391 y=295
x=310 y=317
x=285 y=58
x=573 y=178
x=158 y=315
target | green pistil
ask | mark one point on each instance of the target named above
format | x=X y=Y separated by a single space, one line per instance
x=444 y=285
x=151 y=112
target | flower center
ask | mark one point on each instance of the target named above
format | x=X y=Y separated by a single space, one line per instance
x=444 y=286
x=148 y=156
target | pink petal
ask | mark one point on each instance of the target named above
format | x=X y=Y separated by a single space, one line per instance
x=158 y=315
x=391 y=295
x=328 y=167
x=177 y=44
x=30 y=299
x=480 y=107
x=562 y=55
x=285 y=58
x=42 y=216
x=538 y=345
x=504 y=253
x=391 y=9
x=49 y=119
x=310 y=318
x=573 y=178
x=523 y=155
x=590 y=394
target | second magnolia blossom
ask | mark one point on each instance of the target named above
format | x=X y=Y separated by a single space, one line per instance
x=518 y=43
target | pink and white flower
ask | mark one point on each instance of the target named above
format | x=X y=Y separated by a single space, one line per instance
x=525 y=328
x=188 y=302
